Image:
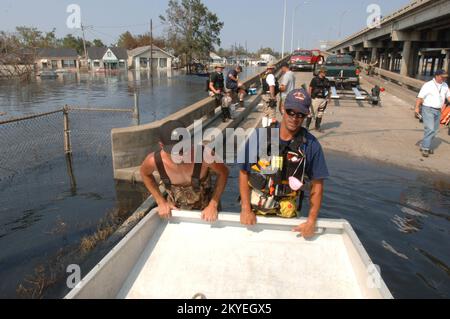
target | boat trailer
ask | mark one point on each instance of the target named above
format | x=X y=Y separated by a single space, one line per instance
x=356 y=93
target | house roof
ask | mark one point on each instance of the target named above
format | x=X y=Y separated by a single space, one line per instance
x=96 y=53
x=57 y=52
x=214 y=56
x=140 y=50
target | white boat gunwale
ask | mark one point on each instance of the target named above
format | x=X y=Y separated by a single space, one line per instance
x=108 y=287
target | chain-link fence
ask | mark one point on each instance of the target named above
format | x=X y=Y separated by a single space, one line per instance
x=34 y=141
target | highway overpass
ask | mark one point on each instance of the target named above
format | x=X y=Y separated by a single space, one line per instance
x=414 y=41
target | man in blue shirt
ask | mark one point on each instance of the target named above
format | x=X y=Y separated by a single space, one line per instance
x=233 y=84
x=297 y=145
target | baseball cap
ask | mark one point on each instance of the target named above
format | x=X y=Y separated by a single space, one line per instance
x=442 y=73
x=219 y=65
x=298 y=100
x=170 y=134
x=322 y=70
x=271 y=66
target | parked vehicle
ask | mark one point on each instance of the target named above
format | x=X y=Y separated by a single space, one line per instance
x=302 y=60
x=261 y=63
x=342 y=70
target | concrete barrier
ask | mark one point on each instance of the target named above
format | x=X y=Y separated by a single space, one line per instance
x=131 y=145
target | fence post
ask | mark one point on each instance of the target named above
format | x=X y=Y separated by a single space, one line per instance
x=68 y=149
x=67 y=144
x=136 y=111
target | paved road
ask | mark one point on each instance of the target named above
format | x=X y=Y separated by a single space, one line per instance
x=387 y=133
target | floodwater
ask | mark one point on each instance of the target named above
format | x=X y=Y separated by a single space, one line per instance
x=160 y=95
x=401 y=216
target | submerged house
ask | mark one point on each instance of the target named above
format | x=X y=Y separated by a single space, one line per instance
x=107 y=58
x=139 y=58
x=215 y=58
x=57 y=59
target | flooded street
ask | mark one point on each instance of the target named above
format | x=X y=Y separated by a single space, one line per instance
x=402 y=217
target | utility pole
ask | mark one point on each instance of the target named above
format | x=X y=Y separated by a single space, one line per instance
x=284 y=28
x=151 y=47
x=84 y=42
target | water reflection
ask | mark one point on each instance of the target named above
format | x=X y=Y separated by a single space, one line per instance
x=161 y=93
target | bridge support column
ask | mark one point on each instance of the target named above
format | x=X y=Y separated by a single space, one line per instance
x=393 y=60
x=374 y=56
x=386 y=60
x=358 y=55
x=447 y=61
x=421 y=59
x=406 y=58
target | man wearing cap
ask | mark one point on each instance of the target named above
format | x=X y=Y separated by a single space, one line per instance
x=276 y=186
x=319 y=89
x=270 y=90
x=184 y=173
x=217 y=89
x=430 y=103
x=287 y=83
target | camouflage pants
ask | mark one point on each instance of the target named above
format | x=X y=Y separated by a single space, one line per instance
x=270 y=111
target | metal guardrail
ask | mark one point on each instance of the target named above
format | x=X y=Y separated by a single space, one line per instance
x=415 y=84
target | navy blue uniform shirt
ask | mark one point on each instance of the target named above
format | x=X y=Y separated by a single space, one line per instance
x=316 y=166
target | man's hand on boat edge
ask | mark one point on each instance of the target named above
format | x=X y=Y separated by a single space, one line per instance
x=165 y=209
x=210 y=214
x=307 y=230
x=248 y=217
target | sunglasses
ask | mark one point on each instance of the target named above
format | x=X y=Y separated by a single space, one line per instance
x=292 y=113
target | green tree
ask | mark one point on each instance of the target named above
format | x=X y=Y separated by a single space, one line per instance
x=98 y=43
x=127 y=41
x=29 y=36
x=69 y=41
x=191 y=28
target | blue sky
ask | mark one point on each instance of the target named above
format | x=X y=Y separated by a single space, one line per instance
x=259 y=23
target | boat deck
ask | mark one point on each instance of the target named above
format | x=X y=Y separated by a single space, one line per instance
x=187 y=257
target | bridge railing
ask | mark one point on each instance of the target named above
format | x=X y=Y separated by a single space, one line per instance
x=411 y=83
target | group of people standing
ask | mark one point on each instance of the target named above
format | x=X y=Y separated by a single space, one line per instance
x=318 y=90
x=227 y=91
x=273 y=184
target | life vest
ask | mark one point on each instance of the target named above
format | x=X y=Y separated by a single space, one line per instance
x=218 y=80
x=270 y=179
x=265 y=85
x=320 y=88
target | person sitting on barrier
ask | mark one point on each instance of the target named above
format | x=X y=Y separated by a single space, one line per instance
x=271 y=89
x=275 y=185
x=287 y=83
x=430 y=103
x=319 y=89
x=187 y=182
x=235 y=86
x=217 y=90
